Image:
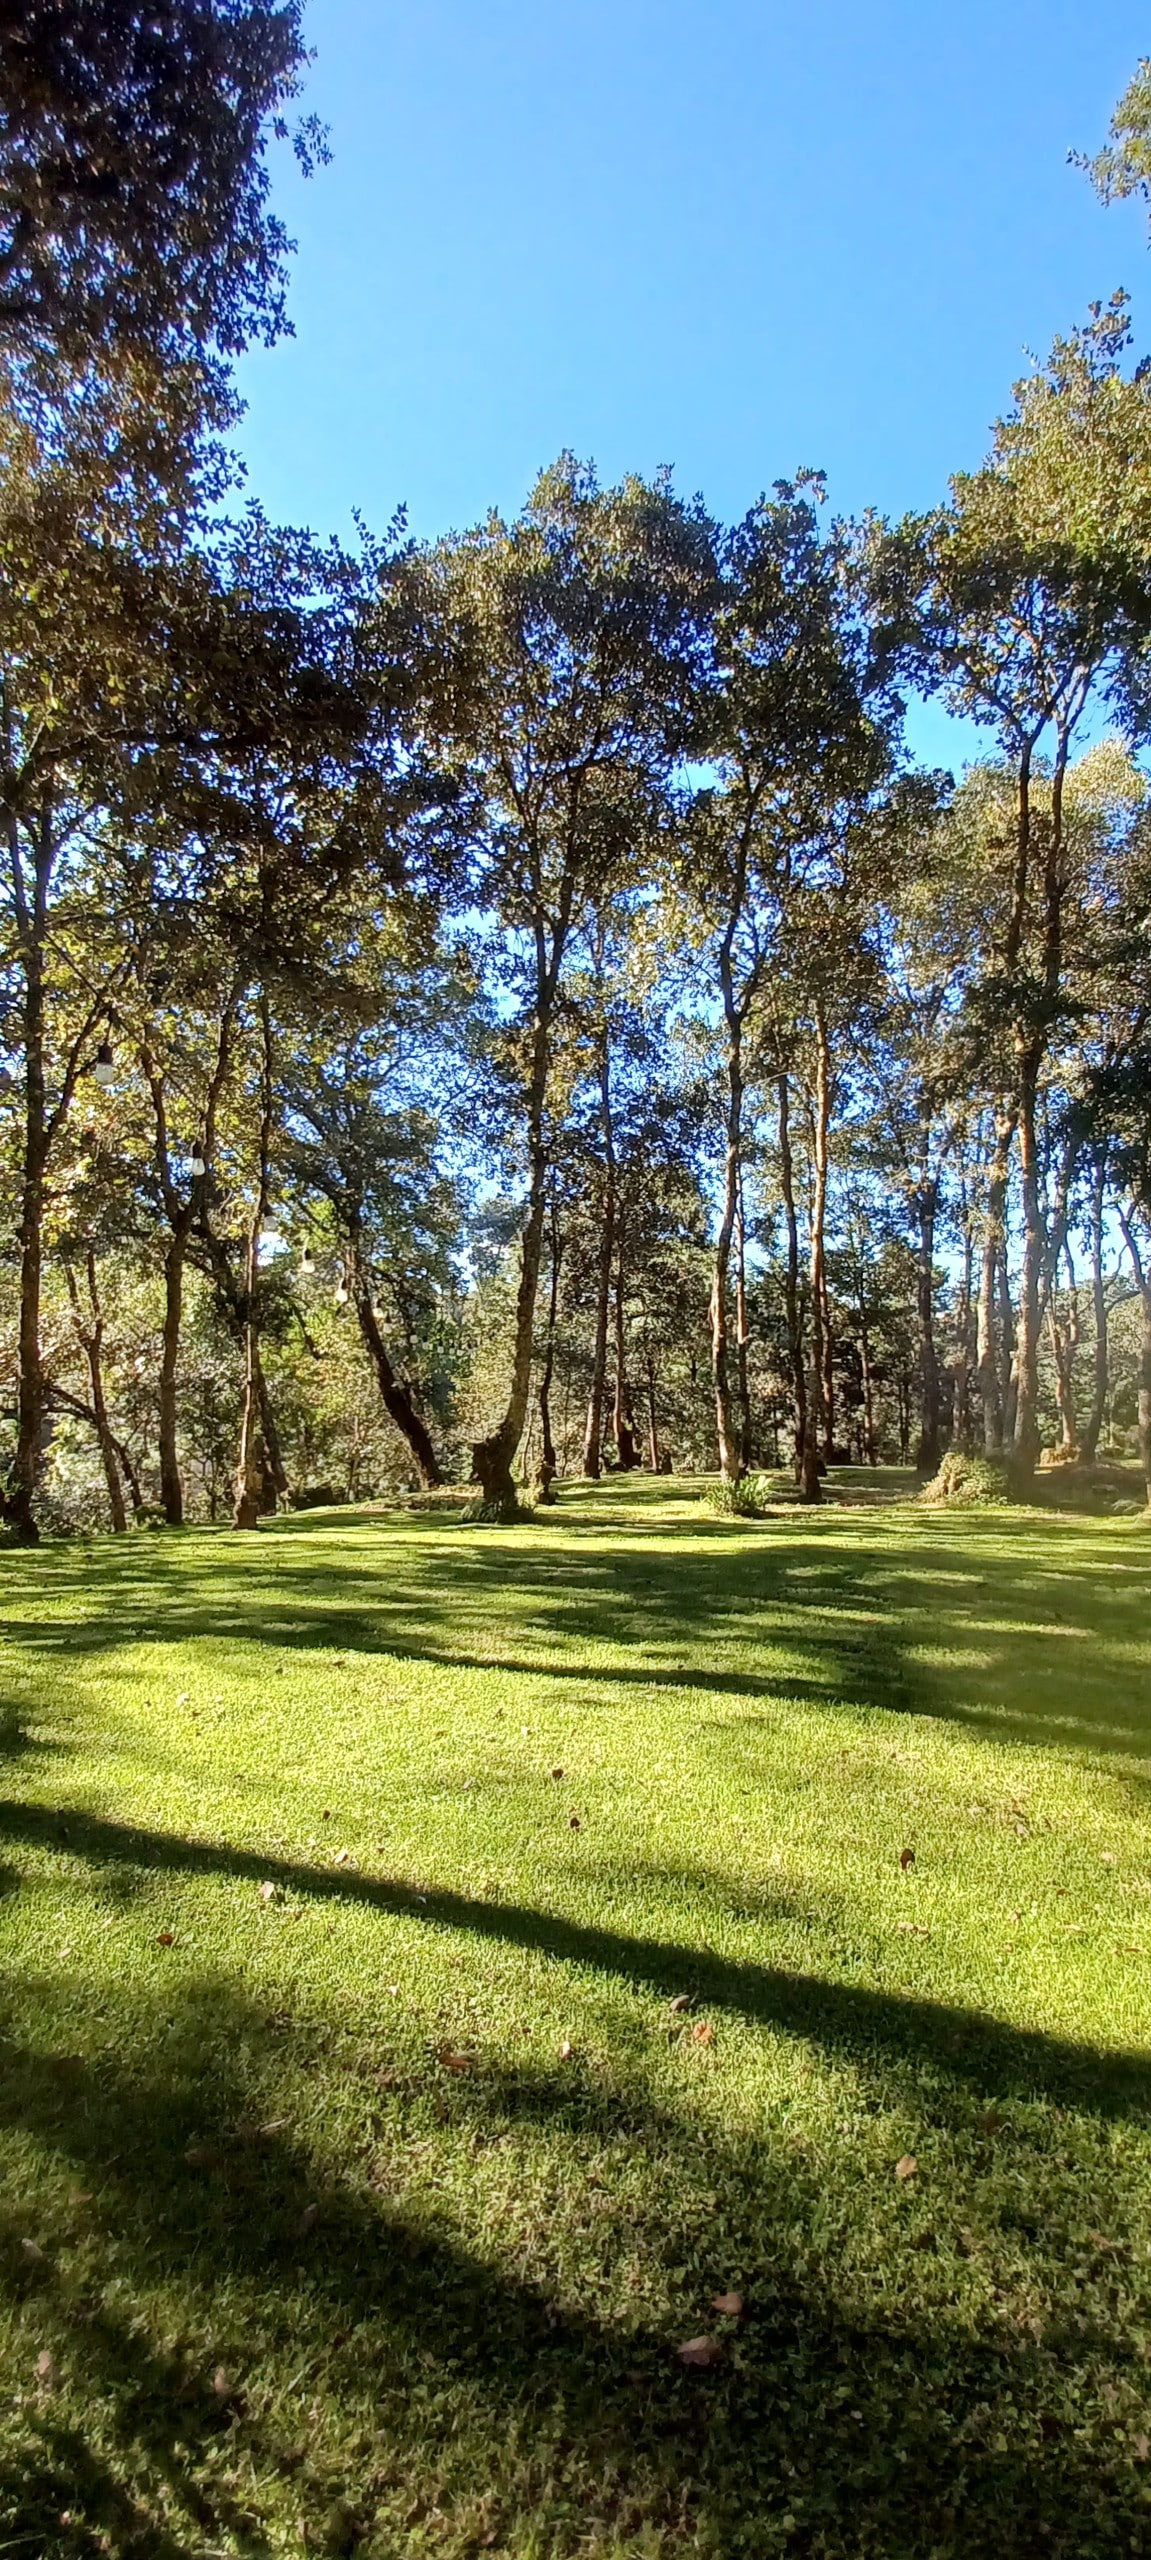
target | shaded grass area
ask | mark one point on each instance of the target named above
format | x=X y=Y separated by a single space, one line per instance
x=439 y=1961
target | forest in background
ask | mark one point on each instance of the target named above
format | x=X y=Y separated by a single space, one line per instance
x=507 y=1007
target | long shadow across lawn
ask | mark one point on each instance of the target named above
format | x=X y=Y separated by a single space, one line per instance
x=1044 y=1629
x=966 y=2045
x=885 y=2430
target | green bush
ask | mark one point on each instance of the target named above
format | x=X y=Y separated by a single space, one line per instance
x=749 y=1498
x=968 y=1484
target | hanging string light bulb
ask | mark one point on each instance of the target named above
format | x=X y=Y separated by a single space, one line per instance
x=269 y=1232
x=104 y=1069
x=197 y=1166
x=341 y=1291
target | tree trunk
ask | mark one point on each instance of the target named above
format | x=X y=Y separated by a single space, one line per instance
x=653 y=1448
x=870 y=1448
x=171 y=1482
x=93 y=1340
x=1100 y=1372
x=627 y=1454
x=493 y=1457
x=547 y=1467
x=592 y=1458
x=276 y=1487
x=394 y=1396
x=247 y=1491
x=727 y=1442
x=791 y=1279
x=961 y=1369
x=1026 y=1432
x=930 y=1449
x=24 y=1473
x=1142 y=1270
x=1064 y=1333
x=743 y=1382
x=821 y=1122
x=987 y=1359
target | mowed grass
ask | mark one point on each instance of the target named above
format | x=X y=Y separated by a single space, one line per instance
x=363 y=2169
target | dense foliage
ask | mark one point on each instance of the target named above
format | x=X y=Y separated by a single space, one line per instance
x=508 y=1007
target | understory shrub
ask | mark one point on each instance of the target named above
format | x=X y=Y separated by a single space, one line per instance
x=967 y=1483
x=750 y=1497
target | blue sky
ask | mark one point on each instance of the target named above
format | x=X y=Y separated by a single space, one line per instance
x=736 y=236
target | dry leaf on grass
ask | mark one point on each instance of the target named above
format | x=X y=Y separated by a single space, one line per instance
x=908 y=2166
x=46 y=2370
x=704 y=2033
x=308 y=2217
x=268 y=1892
x=557 y=1773
x=457 y=2062
x=31 y=2249
x=166 y=1938
x=700 y=2351
x=683 y=2000
x=566 y=2049
x=574 y=1823
x=731 y=2305
x=906 y=1859
x=222 y=2384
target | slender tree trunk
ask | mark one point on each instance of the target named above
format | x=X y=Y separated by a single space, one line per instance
x=627 y=1454
x=248 y=1483
x=394 y=1396
x=89 y=1329
x=592 y=1459
x=1008 y=1375
x=988 y=1368
x=961 y=1372
x=493 y=1457
x=863 y=1336
x=171 y=1482
x=1142 y=1270
x=743 y=1382
x=1026 y=1431
x=1064 y=1331
x=726 y=1437
x=32 y=914
x=821 y=1123
x=547 y=1466
x=276 y=1486
x=930 y=1449
x=653 y=1448
x=1100 y=1373
x=791 y=1279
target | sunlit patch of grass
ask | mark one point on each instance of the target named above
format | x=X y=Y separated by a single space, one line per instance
x=440 y=1960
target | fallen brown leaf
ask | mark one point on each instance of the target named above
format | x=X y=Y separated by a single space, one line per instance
x=222 y=2383
x=704 y=2033
x=557 y=1773
x=700 y=2351
x=683 y=2000
x=341 y=1858
x=731 y=2305
x=203 y=2155
x=32 y=2249
x=457 y=2061
x=308 y=2217
x=1142 y=2448
x=166 y=1938
x=574 y=1822
x=908 y=2166
x=566 y=2049
x=46 y=2370
x=906 y=1859
x=268 y=1892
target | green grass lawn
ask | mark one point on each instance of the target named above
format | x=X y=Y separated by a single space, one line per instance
x=440 y=1961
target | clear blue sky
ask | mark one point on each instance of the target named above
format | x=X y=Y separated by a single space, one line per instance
x=735 y=236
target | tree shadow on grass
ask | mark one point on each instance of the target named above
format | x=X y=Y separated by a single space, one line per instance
x=387 y=2375
x=965 y=2045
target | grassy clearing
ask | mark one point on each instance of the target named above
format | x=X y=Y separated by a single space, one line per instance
x=368 y=2212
